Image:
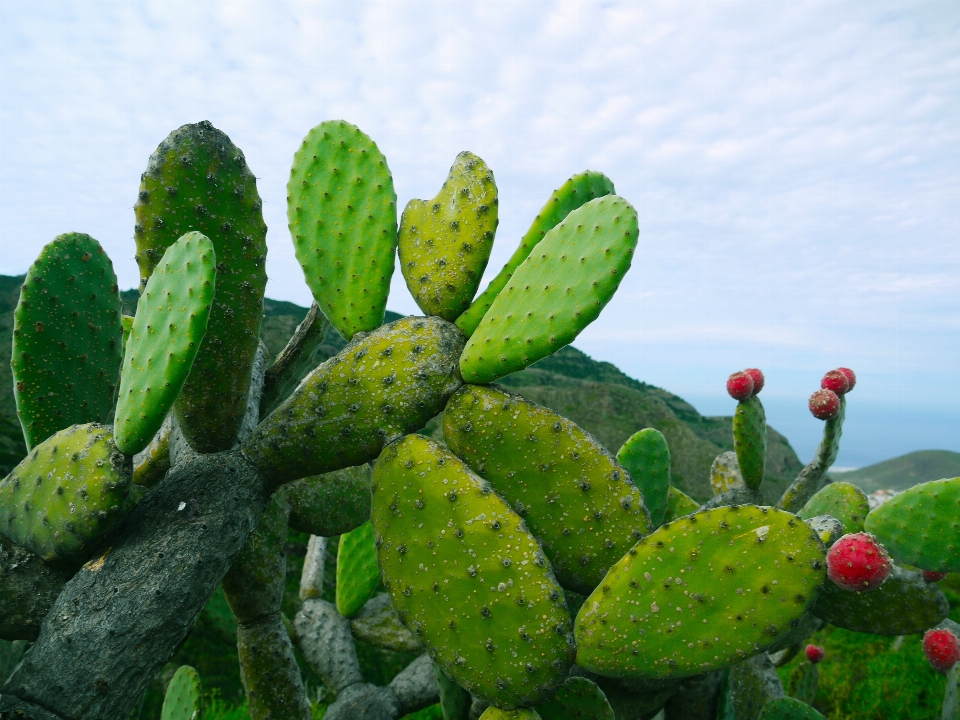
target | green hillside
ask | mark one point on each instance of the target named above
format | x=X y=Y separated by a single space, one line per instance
x=901 y=473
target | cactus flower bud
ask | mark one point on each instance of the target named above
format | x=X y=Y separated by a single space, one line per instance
x=740 y=385
x=858 y=562
x=815 y=653
x=758 y=379
x=824 y=404
x=836 y=381
x=851 y=377
x=941 y=648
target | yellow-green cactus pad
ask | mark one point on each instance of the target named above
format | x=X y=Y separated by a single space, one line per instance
x=577 y=699
x=678 y=505
x=197 y=179
x=495 y=713
x=66 y=493
x=556 y=292
x=788 y=708
x=750 y=440
x=184 y=698
x=167 y=333
x=444 y=243
x=382 y=385
x=921 y=527
x=904 y=605
x=701 y=594
x=846 y=502
x=725 y=473
x=342 y=212
x=581 y=188
x=573 y=494
x=127 y=322
x=646 y=456
x=67 y=338
x=357 y=571
x=467 y=577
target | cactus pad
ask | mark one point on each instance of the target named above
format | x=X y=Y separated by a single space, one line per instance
x=701 y=593
x=572 y=493
x=725 y=473
x=444 y=243
x=678 y=505
x=467 y=577
x=167 y=332
x=330 y=504
x=577 y=699
x=750 y=440
x=66 y=493
x=357 y=571
x=184 y=698
x=846 y=502
x=581 y=188
x=788 y=708
x=382 y=385
x=342 y=212
x=454 y=700
x=197 y=179
x=495 y=713
x=67 y=338
x=904 y=605
x=646 y=457
x=921 y=526
x=556 y=292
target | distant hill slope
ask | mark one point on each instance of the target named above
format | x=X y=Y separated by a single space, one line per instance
x=595 y=395
x=902 y=473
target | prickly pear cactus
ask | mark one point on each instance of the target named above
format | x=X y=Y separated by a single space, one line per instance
x=184 y=698
x=342 y=212
x=846 y=502
x=167 y=333
x=383 y=385
x=197 y=179
x=750 y=440
x=701 y=593
x=444 y=243
x=556 y=292
x=646 y=456
x=788 y=708
x=467 y=577
x=69 y=491
x=67 y=338
x=921 y=527
x=357 y=571
x=574 y=496
x=578 y=190
x=577 y=699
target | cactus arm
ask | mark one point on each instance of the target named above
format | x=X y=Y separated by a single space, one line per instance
x=697 y=698
x=294 y=361
x=378 y=623
x=330 y=504
x=28 y=589
x=151 y=464
x=311 y=577
x=415 y=686
x=327 y=644
x=810 y=479
x=753 y=683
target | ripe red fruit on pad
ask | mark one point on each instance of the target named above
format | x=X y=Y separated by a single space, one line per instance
x=740 y=385
x=758 y=379
x=941 y=648
x=932 y=576
x=851 y=377
x=858 y=562
x=815 y=653
x=836 y=381
x=824 y=404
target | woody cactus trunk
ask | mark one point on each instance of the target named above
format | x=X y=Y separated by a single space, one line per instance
x=541 y=575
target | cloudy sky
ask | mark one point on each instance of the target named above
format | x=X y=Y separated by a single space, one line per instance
x=795 y=165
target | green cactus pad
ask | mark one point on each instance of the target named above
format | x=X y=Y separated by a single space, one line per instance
x=846 y=502
x=803 y=682
x=678 y=505
x=444 y=243
x=921 y=527
x=467 y=577
x=127 y=322
x=184 y=698
x=750 y=440
x=577 y=699
x=581 y=188
x=701 y=593
x=454 y=700
x=197 y=179
x=646 y=457
x=381 y=386
x=904 y=605
x=572 y=493
x=330 y=504
x=495 y=713
x=167 y=333
x=357 y=571
x=67 y=338
x=725 y=473
x=66 y=493
x=342 y=212
x=556 y=292
x=788 y=708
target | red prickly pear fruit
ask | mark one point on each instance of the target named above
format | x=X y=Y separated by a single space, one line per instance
x=932 y=576
x=836 y=381
x=851 y=377
x=740 y=385
x=824 y=404
x=858 y=562
x=758 y=379
x=815 y=653
x=942 y=649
